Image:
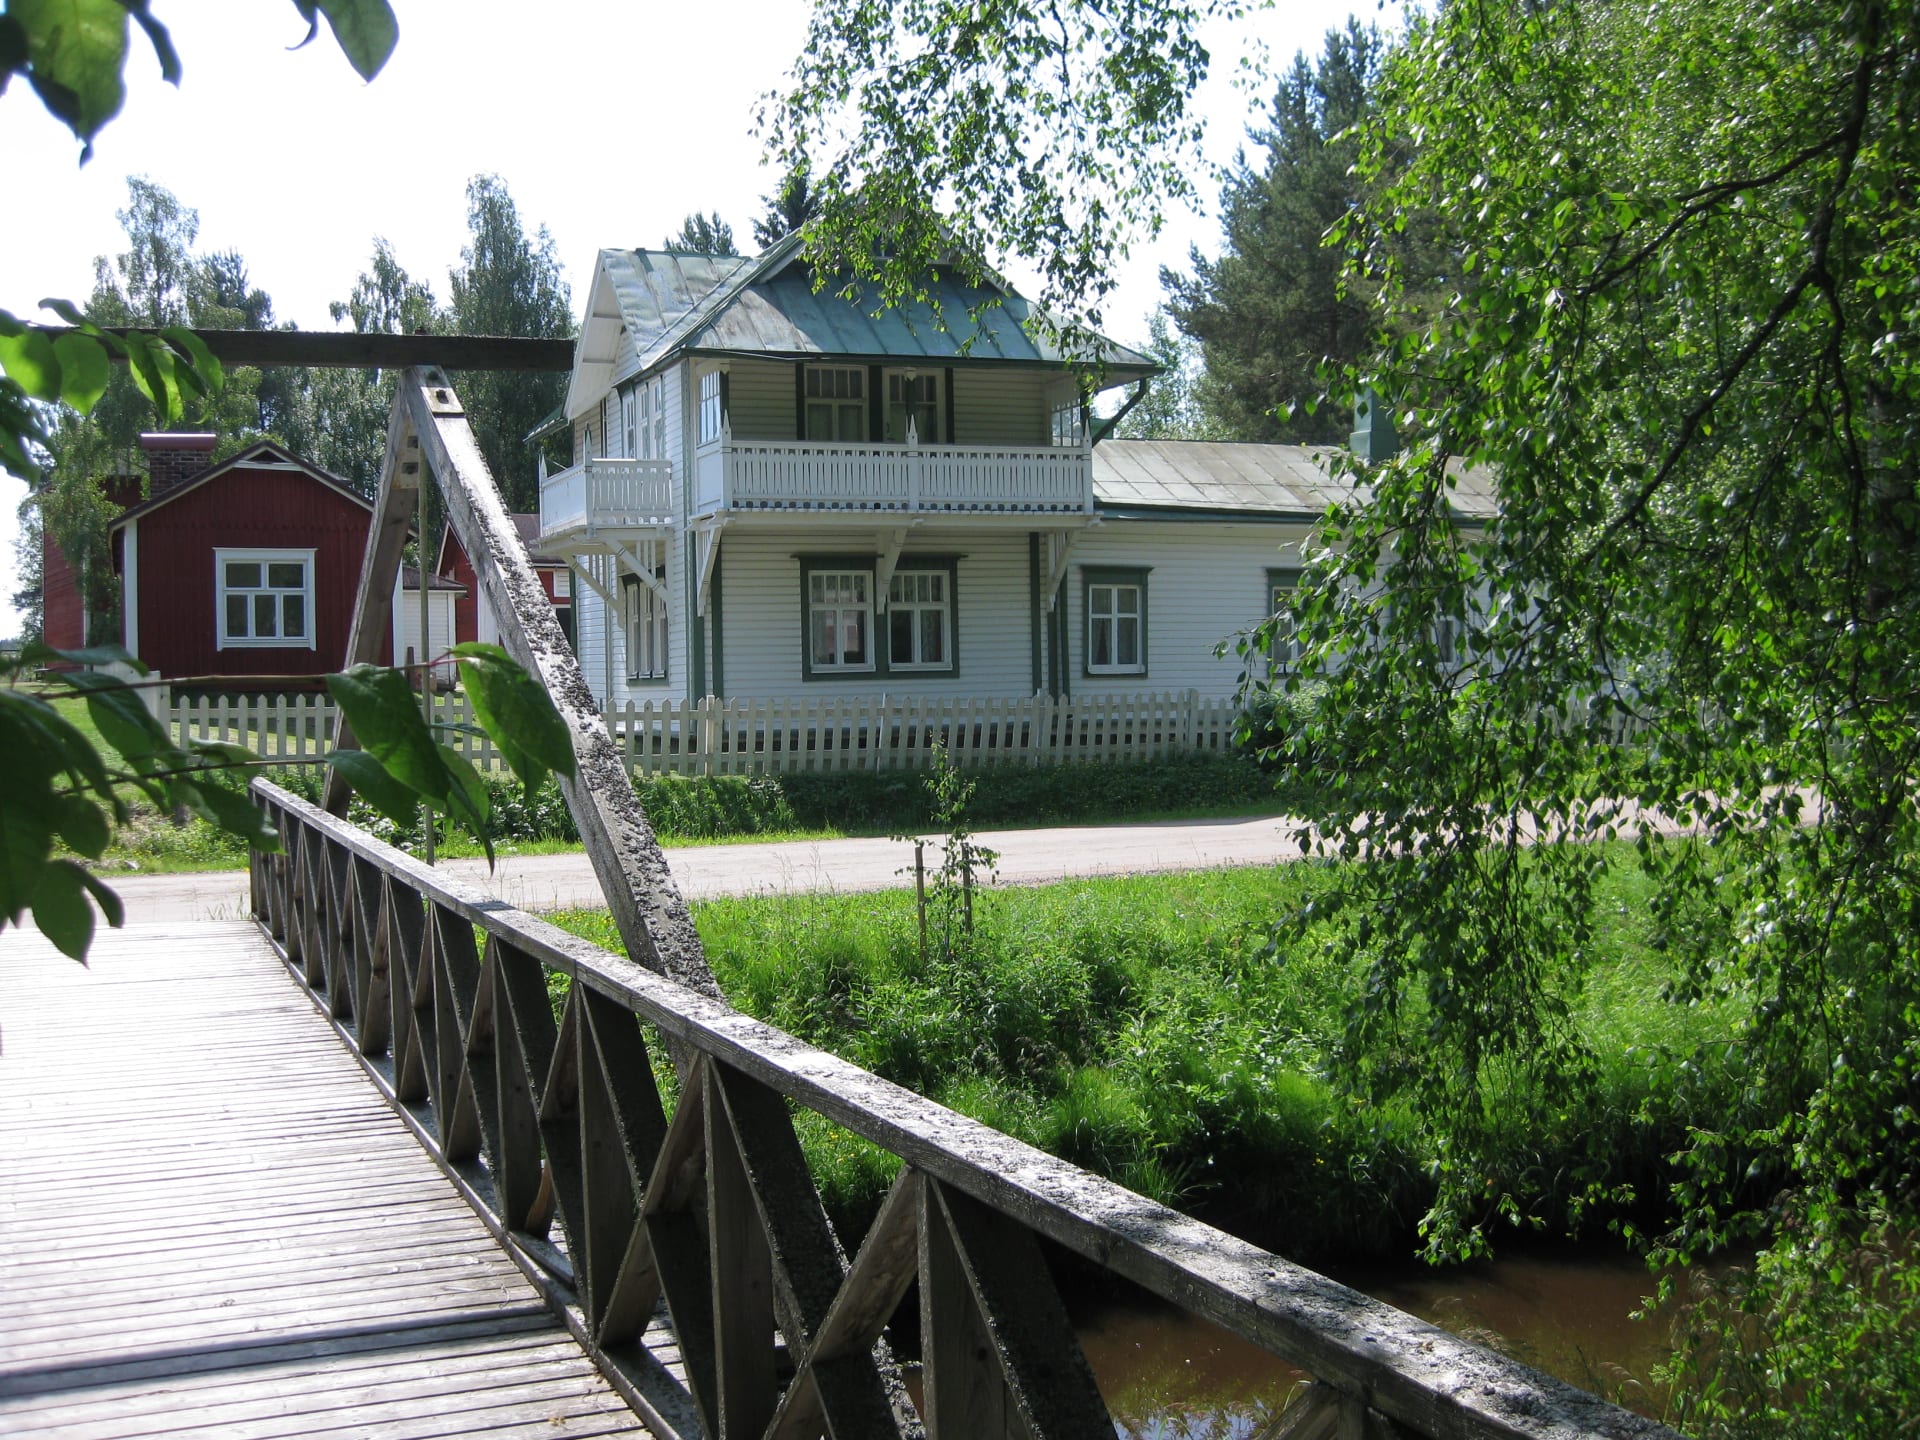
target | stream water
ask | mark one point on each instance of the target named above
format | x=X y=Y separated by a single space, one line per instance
x=1168 y=1376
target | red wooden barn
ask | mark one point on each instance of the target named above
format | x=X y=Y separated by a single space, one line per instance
x=245 y=568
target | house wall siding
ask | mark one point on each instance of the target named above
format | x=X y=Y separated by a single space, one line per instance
x=992 y=626
x=63 y=622
x=995 y=408
x=1207 y=581
x=760 y=400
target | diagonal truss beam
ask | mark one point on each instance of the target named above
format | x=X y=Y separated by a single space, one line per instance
x=428 y=434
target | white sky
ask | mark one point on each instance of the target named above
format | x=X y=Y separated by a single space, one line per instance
x=609 y=120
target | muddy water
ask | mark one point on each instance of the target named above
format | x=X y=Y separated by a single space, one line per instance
x=1167 y=1376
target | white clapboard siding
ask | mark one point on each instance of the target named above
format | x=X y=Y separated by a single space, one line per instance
x=760 y=400
x=999 y=407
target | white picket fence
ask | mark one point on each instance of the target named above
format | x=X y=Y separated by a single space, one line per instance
x=780 y=737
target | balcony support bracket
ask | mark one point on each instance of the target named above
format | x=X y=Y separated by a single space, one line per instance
x=887 y=557
x=648 y=570
x=707 y=544
x=1059 y=550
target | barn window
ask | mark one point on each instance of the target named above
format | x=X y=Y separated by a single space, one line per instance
x=264 y=597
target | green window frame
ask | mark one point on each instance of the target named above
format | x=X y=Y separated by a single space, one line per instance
x=839 y=599
x=1282 y=581
x=1113 y=606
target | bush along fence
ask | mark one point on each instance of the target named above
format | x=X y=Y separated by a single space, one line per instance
x=782 y=737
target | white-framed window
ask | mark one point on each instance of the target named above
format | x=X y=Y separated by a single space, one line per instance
x=835 y=399
x=263 y=597
x=839 y=620
x=1282 y=581
x=630 y=422
x=913 y=406
x=563 y=584
x=646 y=630
x=712 y=406
x=586 y=443
x=1069 y=423
x=1116 y=609
x=920 y=620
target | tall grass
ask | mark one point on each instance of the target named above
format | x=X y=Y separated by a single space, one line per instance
x=1144 y=1028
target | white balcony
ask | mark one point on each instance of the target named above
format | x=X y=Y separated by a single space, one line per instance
x=735 y=475
x=607 y=494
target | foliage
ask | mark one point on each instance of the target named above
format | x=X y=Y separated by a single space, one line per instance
x=1142 y=1026
x=1274 y=313
x=931 y=134
x=946 y=905
x=703 y=235
x=791 y=205
x=1170 y=409
x=508 y=284
x=158 y=282
x=887 y=802
x=1681 y=347
x=74 y=52
x=62 y=784
x=349 y=409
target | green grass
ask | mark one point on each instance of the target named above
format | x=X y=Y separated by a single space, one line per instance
x=1141 y=1028
x=724 y=810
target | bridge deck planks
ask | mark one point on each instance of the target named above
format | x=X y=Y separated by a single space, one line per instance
x=210 y=1222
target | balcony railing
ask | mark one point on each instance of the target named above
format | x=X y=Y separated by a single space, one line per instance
x=607 y=494
x=809 y=475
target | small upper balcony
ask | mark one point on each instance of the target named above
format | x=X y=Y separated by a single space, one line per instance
x=606 y=494
x=733 y=475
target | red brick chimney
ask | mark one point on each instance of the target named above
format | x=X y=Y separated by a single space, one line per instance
x=123 y=492
x=174 y=459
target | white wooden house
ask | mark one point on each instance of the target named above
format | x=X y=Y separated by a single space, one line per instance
x=776 y=494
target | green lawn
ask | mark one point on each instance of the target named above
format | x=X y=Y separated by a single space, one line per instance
x=1141 y=1027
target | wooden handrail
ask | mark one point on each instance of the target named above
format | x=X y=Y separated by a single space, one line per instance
x=443 y=991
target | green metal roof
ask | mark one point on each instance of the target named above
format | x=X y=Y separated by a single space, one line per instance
x=672 y=302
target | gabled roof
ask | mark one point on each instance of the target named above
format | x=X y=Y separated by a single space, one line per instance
x=262 y=454
x=647 y=306
x=1290 y=481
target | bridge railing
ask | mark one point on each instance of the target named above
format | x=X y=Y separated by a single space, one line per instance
x=679 y=1229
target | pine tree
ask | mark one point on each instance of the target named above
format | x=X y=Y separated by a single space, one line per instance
x=703 y=235
x=1272 y=310
x=508 y=284
x=789 y=207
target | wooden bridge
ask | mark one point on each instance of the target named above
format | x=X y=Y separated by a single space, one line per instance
x=217 y=1222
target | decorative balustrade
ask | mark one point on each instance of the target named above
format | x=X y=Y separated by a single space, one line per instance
x=805 y=475
x=607 y=493
x=679 y=1230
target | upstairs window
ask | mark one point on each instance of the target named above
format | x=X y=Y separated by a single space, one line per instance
x=265 y=597
x=1069 y=424
x=630 y=422
x=712 y=406
x=836 y=404
x=920 y=620
x=913 y=407
x=653 y=419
